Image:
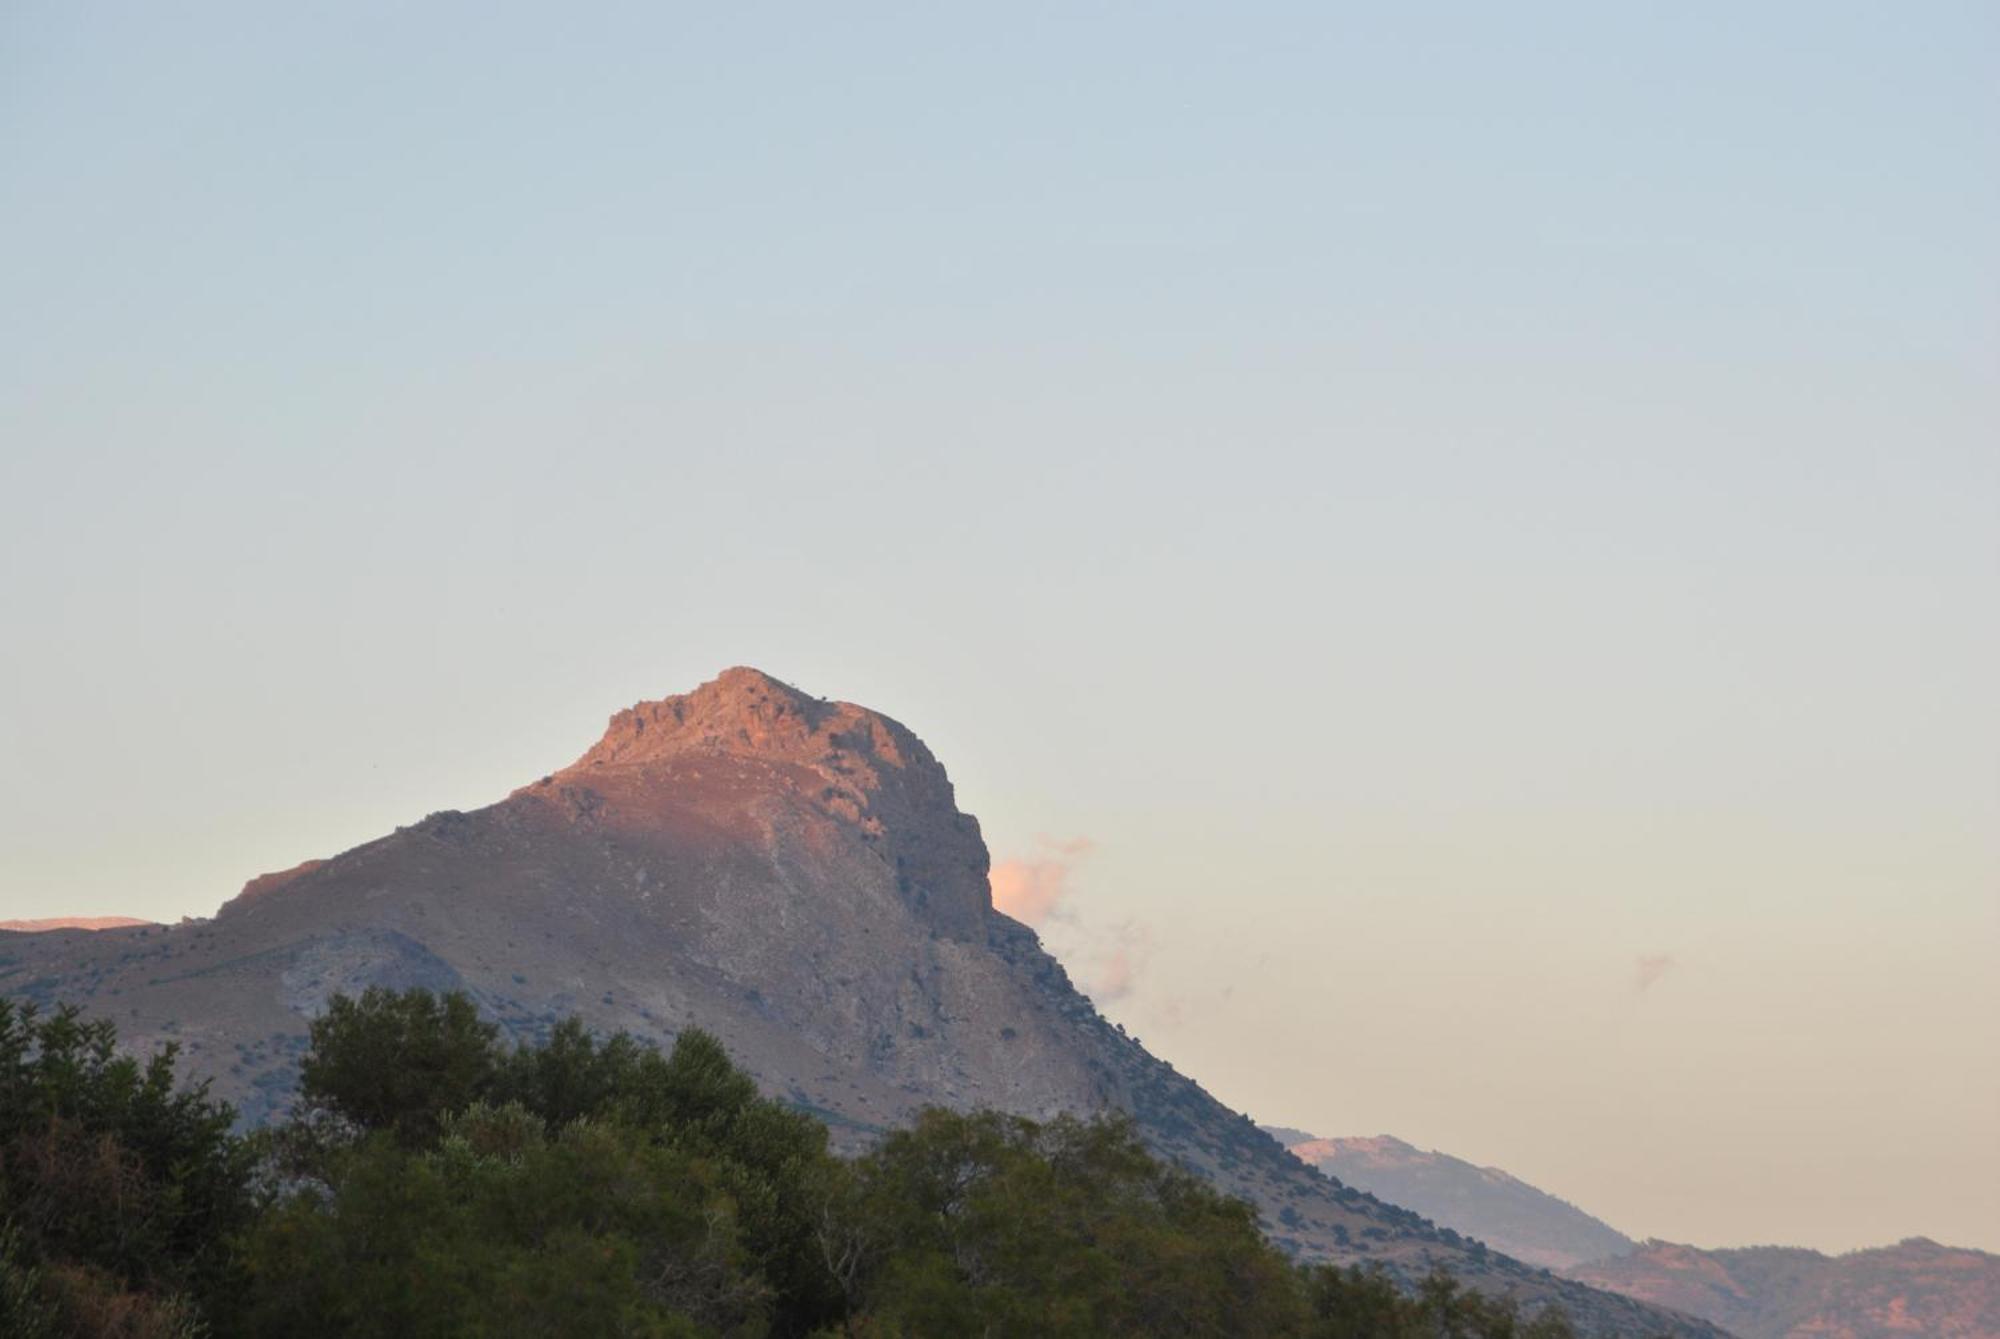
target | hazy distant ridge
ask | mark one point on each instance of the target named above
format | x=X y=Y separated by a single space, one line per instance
x=1914 y=1288
x=72 y=923
x=1485 y=1203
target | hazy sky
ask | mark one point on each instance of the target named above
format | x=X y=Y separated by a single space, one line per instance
x=1462 y=537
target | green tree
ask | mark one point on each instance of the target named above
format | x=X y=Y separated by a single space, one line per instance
x=399 y=1061
x=25 y=1312
x=993 y=1224
x=119 y=1189
x=772 y=1160
x=1357 y=1304
x=501 y=1228
x=435 y=1183
x=404 y=1064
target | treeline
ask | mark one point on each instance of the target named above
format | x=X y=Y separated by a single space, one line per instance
x=435 y=1182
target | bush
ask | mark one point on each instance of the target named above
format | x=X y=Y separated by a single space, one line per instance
x=403 y=1065
x=399 y=1061
x=985 y=1223
x=114 y=1182
x=503 y=1228
x=434 y=1182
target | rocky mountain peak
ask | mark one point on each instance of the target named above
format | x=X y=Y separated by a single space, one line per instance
x=866 y=772
x=746 y=713
x=741 y=711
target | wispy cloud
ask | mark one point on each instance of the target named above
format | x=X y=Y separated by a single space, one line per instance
x=1038 y=890
x=1031 y=890
x=1653 y=966
x=1113 y=970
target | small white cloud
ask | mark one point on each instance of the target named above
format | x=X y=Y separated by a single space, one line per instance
x=1031 y=890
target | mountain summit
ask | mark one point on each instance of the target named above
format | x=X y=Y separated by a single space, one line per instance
x=791 y=874
x=745 y=731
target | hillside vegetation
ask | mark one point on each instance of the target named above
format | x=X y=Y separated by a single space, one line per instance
x=434 y=1181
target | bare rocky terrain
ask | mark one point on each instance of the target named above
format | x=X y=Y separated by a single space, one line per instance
x=790 y=873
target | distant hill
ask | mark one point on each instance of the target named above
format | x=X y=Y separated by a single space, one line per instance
x=1482 y=1202
x=71 y=923
x=1915 y=1289
x=791 y=874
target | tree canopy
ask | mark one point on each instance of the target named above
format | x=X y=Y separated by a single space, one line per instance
x=436 y=1182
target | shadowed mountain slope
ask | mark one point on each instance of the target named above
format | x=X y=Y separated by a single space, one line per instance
x=1482 y=1202
x=793 y=875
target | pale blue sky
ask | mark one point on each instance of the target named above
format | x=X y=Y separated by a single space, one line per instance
x=1451 y=500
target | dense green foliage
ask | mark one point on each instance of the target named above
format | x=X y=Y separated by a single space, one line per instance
x=991 y=1224
x=436 y=1182
x=399 y=1062
x=120 y=1192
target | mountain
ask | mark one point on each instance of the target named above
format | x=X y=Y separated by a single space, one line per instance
x=48 y=923
x=1914 y=1288
x=1482 y=1202
x=791 y=874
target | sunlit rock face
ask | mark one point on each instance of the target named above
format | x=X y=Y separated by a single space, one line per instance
x=735 y=746
x=789 y=873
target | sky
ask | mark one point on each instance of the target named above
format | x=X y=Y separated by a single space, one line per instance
x=1452 y=548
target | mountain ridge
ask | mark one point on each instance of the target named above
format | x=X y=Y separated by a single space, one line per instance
x=1485 y=1203
x=45 y=924
x=791 y=874
x=1915 y=1287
